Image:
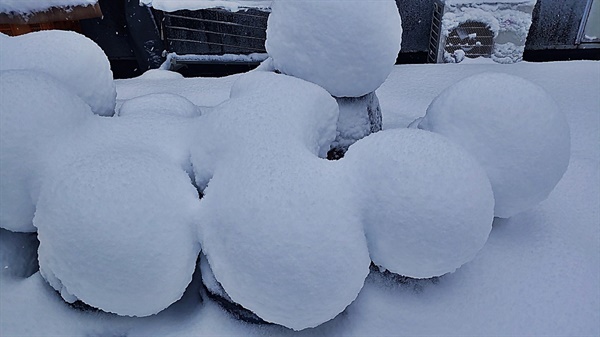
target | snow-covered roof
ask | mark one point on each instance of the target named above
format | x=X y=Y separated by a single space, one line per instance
x=231 y=5
x=26 y=7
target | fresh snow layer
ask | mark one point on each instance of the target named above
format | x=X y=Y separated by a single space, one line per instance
x=73 y=59
x=277 y=227
x=36 y=110
x=27 y=7
x=427 y=204
x=347 y=47
x=116 y=230
x=513 y=127
x=231 y=5
x=163 y=103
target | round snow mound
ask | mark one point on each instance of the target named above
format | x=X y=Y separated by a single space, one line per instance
x=73 y=59
x=427 y=208
x=347 y=47
x=162 y=104
x=513 y=128
x=35 y=111
x=116 y=231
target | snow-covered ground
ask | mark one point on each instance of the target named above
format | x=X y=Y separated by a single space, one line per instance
x=538 y=273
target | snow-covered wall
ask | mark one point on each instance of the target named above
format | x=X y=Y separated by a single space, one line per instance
x=26 y=7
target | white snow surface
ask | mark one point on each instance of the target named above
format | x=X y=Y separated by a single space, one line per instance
x=427 y=205
x=537 y=275
x=347 y=47
x=278 y=231
x=231 y=5
x=73 y=59
x=514 y=128
x=30 y=6
x=36 y=110
x=116 y=230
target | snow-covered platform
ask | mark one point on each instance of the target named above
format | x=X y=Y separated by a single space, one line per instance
x=538 y=273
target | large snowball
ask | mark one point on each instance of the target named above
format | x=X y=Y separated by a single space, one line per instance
x=427 y=205
x=35 y=111
x=347 y=47
x=513 y=128
x=76 y=61
x=116 y=230
x=278 y=230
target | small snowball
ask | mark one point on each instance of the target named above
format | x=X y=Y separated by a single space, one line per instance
x=513 y=127
x=347 y=47
x=161 y=103
x=36 y=110
x=427 y=205
x=73 y=59
x=116 y=230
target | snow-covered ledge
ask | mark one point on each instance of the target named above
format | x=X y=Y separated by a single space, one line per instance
x=230 y=5
x=32 y=12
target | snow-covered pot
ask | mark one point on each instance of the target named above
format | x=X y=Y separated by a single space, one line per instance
x=347 y=47
x=36 y=110
x=71 y=58
x=359 y=117
x=426 y=204
x=271 y=200
x=514 y=128
x=116 y=230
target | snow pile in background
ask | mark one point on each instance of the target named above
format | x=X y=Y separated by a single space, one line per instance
x=162 y=103
x=73 y=59
x=427 y=205
x=116 y=230
x=513 y=127
x=274 y=213
x=26 y=7
x=347 y=47
x=231 y=5
x=36 y=110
